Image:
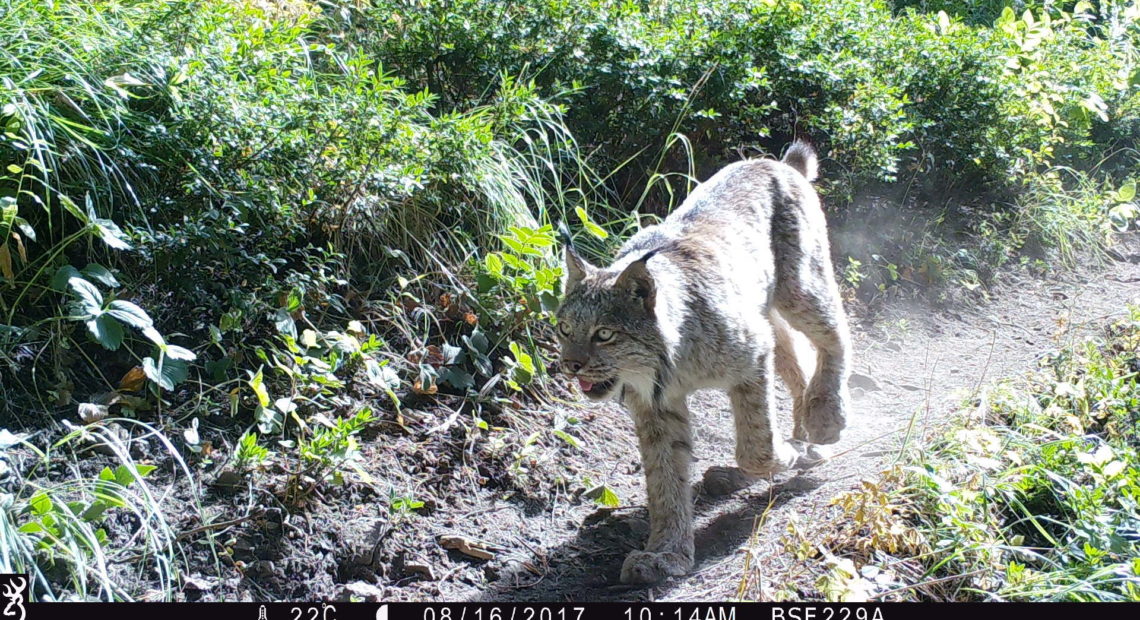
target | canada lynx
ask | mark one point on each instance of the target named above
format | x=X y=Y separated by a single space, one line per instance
x=707 y=299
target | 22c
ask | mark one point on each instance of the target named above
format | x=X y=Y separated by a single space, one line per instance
x=313 y=613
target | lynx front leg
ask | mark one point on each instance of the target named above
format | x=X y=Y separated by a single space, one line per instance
x=665 y=440
x=759 y=451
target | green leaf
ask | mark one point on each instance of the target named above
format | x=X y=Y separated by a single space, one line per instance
x=522 y=357
x=31 y=527
x=124 y=476
x=111 y=234
x=90 y=299
x=284 y=322
x=62 y=275
x=106 y=331
x=179 y=353
x=169 y=374
x=593 y=228
x=152 y=335
x=257 y=384
x=100 y=274
x=154 y=373
x=604 y=496
x=130 y=314
x=107 y=475
x=1127 y=191
x=40 y=503
x=72 y=208
x=94 y=511
x=567 y=437
x=518 y=247
x=494 y=264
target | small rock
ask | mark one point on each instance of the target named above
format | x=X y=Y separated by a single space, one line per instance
x=361 y=592
x=421 y=568
x=262 y=568
x=199 y=583
x=863 y=381
x=228 y=480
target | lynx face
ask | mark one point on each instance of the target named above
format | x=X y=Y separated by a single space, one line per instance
x=606 y=327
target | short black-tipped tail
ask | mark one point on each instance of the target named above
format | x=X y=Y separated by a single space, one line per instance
x=801 y=156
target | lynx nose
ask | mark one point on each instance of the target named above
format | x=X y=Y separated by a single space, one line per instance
x=571 y=366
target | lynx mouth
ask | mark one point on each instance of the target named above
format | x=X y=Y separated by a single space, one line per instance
x=596 y=389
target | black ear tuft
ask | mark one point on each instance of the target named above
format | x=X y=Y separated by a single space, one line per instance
x=576 y=268
x=564 y=234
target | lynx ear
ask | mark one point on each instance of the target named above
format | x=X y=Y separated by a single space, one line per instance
x=576 y=269
x=637 y=280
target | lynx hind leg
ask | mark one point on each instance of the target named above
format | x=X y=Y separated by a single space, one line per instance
x=665 y=441
x=759 y=450
x=807 y=297
x=792 y=352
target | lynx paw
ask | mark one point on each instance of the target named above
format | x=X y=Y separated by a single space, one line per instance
x=719 y=481
x=823 y=420
x=810 y=454
x=783 y=458
x=651 y=566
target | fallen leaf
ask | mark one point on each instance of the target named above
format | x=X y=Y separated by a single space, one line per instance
x=134 y=380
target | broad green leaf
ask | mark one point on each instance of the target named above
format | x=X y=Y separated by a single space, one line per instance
x=90 y=299
x=154 y=373
x=62 y=275
x=522 y=357
x=107 y=331
x=170 y=373
x=130 y=314
x=519 y=248
x=26 y=228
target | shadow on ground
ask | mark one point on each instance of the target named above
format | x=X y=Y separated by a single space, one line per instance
x=587 y=567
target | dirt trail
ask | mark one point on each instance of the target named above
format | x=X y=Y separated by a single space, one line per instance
x=910 y=364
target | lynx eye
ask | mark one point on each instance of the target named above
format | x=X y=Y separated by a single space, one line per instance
x=604 y=335
x=564 y=329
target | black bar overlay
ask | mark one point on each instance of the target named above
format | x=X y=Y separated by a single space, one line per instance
x=567 y=611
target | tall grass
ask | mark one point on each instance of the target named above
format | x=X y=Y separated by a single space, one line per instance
x=55 y=527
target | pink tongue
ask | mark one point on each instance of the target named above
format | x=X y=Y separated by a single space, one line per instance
x=585 y=385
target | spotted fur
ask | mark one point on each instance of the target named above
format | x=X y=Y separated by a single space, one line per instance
x=713 y=297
